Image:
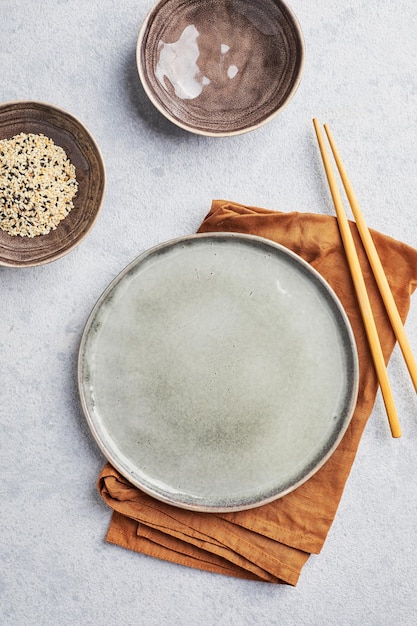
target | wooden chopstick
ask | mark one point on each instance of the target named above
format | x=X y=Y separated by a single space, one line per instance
x=376 y=265
x=360 y=288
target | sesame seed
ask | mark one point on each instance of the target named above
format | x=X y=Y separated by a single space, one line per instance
x=37 y=185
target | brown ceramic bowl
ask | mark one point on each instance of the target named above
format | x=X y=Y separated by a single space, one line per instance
x=220 y=67
x=69 y=133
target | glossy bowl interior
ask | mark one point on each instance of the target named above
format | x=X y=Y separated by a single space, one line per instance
x=69 y=133
x=220 y=67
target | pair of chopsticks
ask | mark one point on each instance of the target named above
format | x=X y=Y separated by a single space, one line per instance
x=358 y=280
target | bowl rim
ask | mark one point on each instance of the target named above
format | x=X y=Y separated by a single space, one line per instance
x=207 y=133
x=73 y=118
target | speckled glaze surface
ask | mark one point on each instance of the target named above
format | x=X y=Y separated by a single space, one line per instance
x=69 y=133
x=220 y=67
x=218 y=372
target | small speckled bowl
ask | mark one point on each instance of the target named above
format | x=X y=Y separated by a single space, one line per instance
x=81 y=149
x=220 y=68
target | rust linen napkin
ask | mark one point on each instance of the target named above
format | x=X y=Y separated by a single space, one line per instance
x=272 y=542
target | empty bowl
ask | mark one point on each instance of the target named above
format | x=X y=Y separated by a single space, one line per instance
x=70 y=135
x=220 y=67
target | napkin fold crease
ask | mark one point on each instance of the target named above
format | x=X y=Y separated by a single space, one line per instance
x=272 y=543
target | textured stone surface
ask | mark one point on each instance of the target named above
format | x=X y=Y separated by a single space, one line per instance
x=360 y=78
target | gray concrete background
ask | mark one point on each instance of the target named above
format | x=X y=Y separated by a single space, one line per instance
x=360 y=77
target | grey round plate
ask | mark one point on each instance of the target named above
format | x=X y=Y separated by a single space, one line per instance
x=218 y=372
